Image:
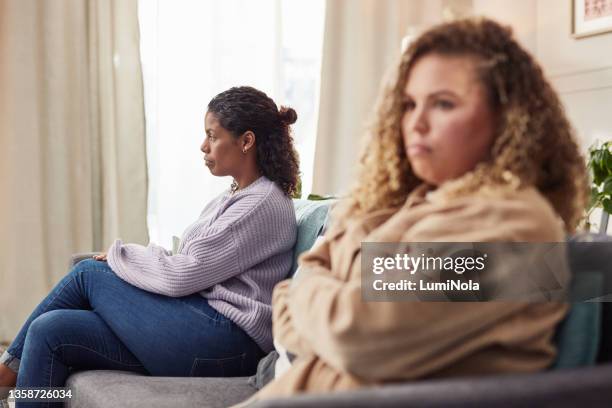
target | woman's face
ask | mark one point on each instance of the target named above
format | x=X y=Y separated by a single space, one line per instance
x=222 y=152
x=448 y=124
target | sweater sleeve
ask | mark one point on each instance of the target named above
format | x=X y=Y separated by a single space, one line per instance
x=154 y=269
x=235 y=242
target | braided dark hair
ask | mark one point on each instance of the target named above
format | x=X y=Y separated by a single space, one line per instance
x=244 y=108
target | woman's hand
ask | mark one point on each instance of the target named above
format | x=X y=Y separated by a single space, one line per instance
x=100 y=257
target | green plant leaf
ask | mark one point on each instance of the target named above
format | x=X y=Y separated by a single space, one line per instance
x=607 y=205
x=316 y=197
x=600 y=166
x=598 y=175
x=596 y=156
x=594 y=199
x=607 y=160
x=592 y=153
x=599 y=171
x=607 y=187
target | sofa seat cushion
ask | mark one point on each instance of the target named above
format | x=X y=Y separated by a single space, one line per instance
x=107 y=389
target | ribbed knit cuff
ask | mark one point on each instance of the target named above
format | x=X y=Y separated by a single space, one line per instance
x=10 y=361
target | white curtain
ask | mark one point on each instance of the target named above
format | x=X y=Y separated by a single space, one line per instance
x=72 y=147
x=362 y=40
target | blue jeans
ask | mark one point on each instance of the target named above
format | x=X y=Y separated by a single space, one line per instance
x=94 y=320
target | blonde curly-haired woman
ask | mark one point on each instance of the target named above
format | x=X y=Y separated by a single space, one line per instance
x=470 y=144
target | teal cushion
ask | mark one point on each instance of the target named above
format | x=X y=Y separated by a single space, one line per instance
x=310 y=216
x=578 y=335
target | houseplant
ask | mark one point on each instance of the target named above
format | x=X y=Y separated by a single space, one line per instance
x=600 y=168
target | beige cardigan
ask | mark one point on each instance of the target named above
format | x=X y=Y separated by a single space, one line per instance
x=342 y=342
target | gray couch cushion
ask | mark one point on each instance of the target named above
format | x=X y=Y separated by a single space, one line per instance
x=570 y=388
x=97 y=389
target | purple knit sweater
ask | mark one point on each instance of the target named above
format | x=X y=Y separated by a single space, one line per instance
x=233 y=255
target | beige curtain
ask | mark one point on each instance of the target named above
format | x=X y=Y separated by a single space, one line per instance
x=362 y=40
x=72 y=146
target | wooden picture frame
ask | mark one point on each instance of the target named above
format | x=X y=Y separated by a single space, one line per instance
x=591 y=17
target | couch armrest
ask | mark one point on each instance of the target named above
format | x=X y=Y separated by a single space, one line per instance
x=586 y=387
x=76 y=258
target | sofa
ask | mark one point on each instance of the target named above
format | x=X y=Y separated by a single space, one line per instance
x=582 y=375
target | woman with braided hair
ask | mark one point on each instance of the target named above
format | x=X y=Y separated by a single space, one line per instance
x=204 y=311
x=469 y=144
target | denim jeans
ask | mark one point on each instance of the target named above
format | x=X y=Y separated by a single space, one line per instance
x=94 y=320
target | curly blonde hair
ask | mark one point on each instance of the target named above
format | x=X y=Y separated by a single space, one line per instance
x=534 y=143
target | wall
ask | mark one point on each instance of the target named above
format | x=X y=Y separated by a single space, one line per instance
x=519 y=14
x=579 y=69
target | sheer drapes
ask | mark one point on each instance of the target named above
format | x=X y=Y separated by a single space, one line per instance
x=72 y=150
x=362 y=39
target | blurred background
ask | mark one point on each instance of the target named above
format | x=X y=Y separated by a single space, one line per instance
x=102 y=105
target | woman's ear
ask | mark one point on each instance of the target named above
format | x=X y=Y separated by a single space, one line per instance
x=248 y=141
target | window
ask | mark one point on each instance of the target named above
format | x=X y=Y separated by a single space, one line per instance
x=191 y=51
